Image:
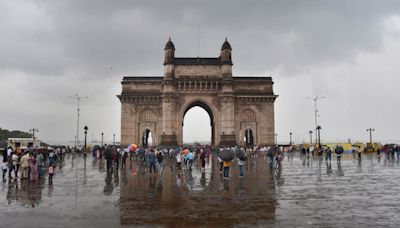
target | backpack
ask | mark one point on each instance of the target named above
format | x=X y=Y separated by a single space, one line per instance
x=159 y=157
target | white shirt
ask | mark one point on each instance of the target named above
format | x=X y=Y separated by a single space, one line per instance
x=4 y=166
x=15 y=159
x=9 y=151
x=178 y=158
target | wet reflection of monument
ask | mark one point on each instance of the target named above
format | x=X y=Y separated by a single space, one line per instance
x=182 y=199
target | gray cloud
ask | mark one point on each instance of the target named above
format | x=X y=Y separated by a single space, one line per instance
x=53 y=49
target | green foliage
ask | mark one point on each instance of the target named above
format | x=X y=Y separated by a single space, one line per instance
x=5 y=134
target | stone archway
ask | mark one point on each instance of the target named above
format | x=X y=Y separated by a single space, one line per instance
x=233 y=103
x=202 y=104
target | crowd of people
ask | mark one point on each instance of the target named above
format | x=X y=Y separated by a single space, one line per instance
x=30 y=164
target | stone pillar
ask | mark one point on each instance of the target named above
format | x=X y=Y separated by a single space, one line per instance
x=267 y=121
x=169 y=127
x=227 y=113
x=128 y=123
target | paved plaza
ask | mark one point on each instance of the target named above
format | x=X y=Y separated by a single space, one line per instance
x=304 y=194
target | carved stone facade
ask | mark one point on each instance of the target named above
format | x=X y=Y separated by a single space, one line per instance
x=238 y=106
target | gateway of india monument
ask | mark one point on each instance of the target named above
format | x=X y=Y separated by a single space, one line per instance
x=241 y=109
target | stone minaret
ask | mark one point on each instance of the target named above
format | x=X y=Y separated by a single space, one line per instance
x=227 y=99
x=168 y=96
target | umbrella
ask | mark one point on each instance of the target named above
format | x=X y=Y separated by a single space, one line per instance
x=339 y=150
x=227 y=155
x=240 y=154
x=132 y=147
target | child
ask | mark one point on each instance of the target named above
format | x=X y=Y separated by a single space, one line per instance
x=4 y=167
x=226 y=169
x=51 y=173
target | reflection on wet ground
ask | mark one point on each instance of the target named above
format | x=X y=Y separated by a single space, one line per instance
x=193 y=198
x=309 y=193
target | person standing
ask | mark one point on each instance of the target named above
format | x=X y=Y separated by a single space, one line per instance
x=25 y=166
x=124 y=157
x=203 y=160
x=178 y=158
x=241 y=164
x=338 y=151
x=226 y=169
x=190 y=159
x=15 y=159
x=39 y=161
x=34 y=170
x=221 y=165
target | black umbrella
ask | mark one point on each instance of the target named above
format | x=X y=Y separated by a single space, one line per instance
x=227 y=155
x=240 y=154
x=339 y=150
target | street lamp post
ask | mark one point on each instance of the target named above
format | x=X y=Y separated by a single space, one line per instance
x=319 y=136
x=102 y=134
x=370 y=134
x=33 y=130
x=315 y=99
x=78 y=99
x=290 y=138
x=86 y=129
x=310 y=132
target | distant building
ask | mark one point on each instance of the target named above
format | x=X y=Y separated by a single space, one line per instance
x=23 y=142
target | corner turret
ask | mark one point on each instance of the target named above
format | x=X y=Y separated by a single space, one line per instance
x=226 y=53
x=169 y=52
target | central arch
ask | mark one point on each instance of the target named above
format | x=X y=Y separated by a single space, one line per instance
x=207 y=108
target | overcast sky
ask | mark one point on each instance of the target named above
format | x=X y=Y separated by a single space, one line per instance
x=347 y=51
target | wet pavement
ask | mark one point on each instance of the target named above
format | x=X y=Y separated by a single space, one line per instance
x=305 y=193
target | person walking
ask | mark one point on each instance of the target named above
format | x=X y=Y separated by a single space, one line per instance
x=109 y=158
x=4 y=167
x=160 y=158
x=359 y=151
x=151 y=158
x=116 y=158
x=10 y=164
x=190 y=159
x=328 y=153
x=51 y=174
